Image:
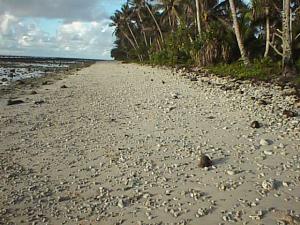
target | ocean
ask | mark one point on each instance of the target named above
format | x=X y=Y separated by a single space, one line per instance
x=13 y=68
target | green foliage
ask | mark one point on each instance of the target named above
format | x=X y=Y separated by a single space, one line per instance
x=165 y=32
x=176 y=50
x=260 y=69
x=298 y=64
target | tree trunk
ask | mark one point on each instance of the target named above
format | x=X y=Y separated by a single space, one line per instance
x=238 y=33
x=133 y=36
x=267 y=34
x=143 y=29
x=133 y=45
x=287 y=57
x=198 y=17
x=157 y=26
x=159 y=45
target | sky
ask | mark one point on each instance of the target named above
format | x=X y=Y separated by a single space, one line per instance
x=57 y=28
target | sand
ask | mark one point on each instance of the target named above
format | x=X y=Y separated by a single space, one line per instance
x=121 y=143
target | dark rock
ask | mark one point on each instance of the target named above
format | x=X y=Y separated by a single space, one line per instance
x=20 y=82
x=252 y=98
x=205 y=161
x=226 y=88
x=255 y=124
x=4 y=79
x=297 y=103
x=44 y=82
x=39 y=102
x=63 y=86
x=193 y=79
x=151 y=79
x=14 y=102
x=289 y=113
x=63 y=198
x=262 y=102
x=33 y=92
x=163 y=82
x=112 y=120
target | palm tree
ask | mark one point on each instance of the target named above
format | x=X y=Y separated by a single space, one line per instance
x=145 y=4
x=171 y=11
x=126 y=17
x=267 y=11
x=119 y=20
x=261 y=10
x=287 y=54
x=138 y=8
x=198 y=17
x=239 y=39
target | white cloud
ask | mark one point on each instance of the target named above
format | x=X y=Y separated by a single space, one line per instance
x=75 y=39
x=93 y=37
x=83 y=30
x=6 y=20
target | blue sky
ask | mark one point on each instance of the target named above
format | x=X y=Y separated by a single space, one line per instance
x=64 y=28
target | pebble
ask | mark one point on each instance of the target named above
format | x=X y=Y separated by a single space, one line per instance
x=264 y=142
x=255 y=124
x=268 y=152
x=14 y=102
x=231 y=172
x=121 y=203
x=202 y=212
x=204 y=161
x=268 y=184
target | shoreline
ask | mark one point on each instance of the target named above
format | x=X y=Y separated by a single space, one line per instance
x=22 y=86
x=121 y=145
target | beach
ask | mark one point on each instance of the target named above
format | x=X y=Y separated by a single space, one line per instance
x=120 y=143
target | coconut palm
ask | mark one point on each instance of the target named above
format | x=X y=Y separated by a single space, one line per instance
x=238 y=35
x=139 y=9
x=120 y=21
x=267 y=11
x=152 y=14
x=287 y=54
x=171 y=13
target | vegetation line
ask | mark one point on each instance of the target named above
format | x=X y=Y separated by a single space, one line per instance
x=246 y=39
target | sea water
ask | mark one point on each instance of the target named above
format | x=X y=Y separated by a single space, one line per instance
x=14 y=68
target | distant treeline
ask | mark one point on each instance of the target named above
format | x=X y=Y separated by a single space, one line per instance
x=210 y=32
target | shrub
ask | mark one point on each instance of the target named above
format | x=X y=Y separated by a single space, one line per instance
x=260 y=69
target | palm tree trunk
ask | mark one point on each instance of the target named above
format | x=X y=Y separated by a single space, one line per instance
x=132 y=44
x=159 y=45
x=157 y=26
x=198 y=17
x=267 y=36
x=133 y=36
x=238 y=33
x=143 y=28
x=287 y=58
